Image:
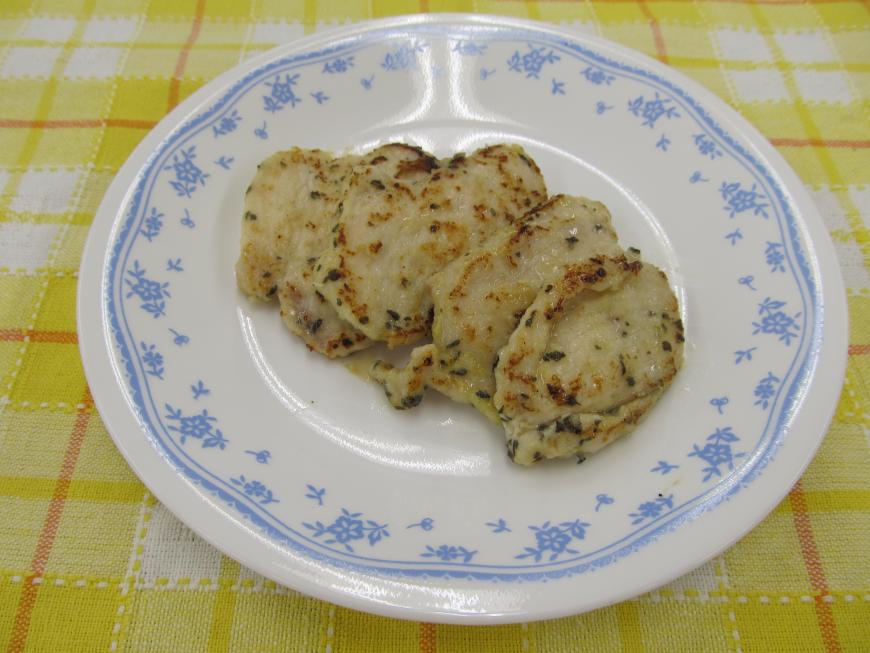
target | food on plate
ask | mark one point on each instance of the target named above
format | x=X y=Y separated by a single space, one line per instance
x=480 y=297
x=538 y=317
x=289 y=210
x=404 y=216
x=586 y=363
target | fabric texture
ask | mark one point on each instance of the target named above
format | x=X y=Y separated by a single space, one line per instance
x=89 y=561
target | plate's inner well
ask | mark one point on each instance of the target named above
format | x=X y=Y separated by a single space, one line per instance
x=312 y=456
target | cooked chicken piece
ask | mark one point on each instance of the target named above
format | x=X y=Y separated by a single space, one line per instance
x=292 y=197
x=586 y=373
x=290 y=207
x=404 y=217
x=479 y=298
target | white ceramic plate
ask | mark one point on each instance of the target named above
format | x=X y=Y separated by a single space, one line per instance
x=293 y=466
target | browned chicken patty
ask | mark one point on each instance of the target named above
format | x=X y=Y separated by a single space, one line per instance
x=587 y=362
x=290 y=208
x=480 y=297
x=404 y=217
x=539 y=319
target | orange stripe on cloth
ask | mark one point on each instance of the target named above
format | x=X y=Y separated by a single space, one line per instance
x=859 y=350
x=76 y=124
x=18 y=638
x=810 y=552
x=725 y=2
x=428 y=638
x=181 y=64
x=778 y=2
x=818 y=142
x=655 y=28
x=58 y=337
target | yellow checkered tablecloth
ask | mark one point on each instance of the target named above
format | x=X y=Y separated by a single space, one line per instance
x=90 y=561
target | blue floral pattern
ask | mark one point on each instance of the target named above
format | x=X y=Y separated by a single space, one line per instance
x=281 y=93
x=597 y=76
x=348 y=528
x=226 y=124
x=532 y=61
x=653 y=109
x=553 y=539
x=706 y=145
x=338 y=65
x=765 y=390
x=739 y=199
x=255 y=489
x=469 y=48
x=152 y=293
x=199 y=426
x=717 y=452
x=448 y=553
x=650 y=510
x=404 y=57
x=152 y=225
x=775 y=321
x=188 y=175
x=775 y=257
x=153 y=360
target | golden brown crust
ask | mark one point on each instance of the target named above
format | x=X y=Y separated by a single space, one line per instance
x=585 y=374
x=289 y=209
x=424 y=214
x=480 y=298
